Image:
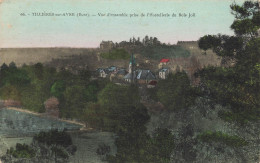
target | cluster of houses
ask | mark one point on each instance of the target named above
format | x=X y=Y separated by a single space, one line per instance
x=140 y=76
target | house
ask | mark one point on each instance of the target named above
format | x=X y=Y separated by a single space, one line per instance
x=130 y=76
x=163 y=62
x=103 y=72
x=163 y=73
x=106 y=45
x=141 y=76
x=145 y=76
x=112 y=69
x=118 y=75
x=121 y=73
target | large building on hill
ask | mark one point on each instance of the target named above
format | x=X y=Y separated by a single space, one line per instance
x=188 y=44
x=106 y=45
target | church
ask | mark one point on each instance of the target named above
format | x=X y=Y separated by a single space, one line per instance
x=138 y=76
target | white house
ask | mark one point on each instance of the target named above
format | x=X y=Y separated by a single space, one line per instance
x=163 y=73
x=103 y=72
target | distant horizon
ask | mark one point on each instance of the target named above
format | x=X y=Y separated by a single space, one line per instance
x=86 y=47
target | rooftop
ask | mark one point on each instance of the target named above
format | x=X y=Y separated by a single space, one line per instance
x=141 y=75
x=164 y=60
x=163 y=70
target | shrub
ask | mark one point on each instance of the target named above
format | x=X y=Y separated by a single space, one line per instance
x=232 y=141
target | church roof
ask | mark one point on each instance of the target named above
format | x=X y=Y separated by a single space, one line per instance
x=121 y=72
x=129 y=75
x=141 y=75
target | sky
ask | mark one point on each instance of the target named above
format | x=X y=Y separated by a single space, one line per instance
x=16 y=30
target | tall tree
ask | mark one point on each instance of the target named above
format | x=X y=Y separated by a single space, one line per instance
x=236 y=86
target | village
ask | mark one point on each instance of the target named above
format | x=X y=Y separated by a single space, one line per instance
x=135 y=74
x=139 y=73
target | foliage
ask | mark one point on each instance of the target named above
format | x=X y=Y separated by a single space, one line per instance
x=121 y=108
x=93 y=116
x=58 y=88
x=118 y=109
x=151 y=47
x=32 y=99
x=74 y=101
x=161 y=145
x=91 y=93
x=21 y=151
x=176 y=93
x=116 y=54
x=236 y=85
x=51 y=146
x=54 y=144
x=9 y=92
x=103 y=149
x=34 y=84
x=144 y=148
x=13 y=76
x=247 y=18
x=233 y=141
x=163 y=51
x=53 y=137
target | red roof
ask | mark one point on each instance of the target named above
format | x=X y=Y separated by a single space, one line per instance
x=153 y=82
x=164 y=60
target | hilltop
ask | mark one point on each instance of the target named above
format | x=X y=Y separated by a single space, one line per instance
x=147 y=56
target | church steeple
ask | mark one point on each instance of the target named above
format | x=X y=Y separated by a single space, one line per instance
x=131 y=67
x=131 y=63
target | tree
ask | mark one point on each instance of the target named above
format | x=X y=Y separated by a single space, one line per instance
x=10 y=92
x=236 y=86
x=38 y=70
x=74 y=101
x=156 y=41
x=122 y=109
x=54 y=145
x=3 y=67
x=12 y=65
x=138 y=40
x=145 y=148
x=21 y=151
x=146 y=40
x=91 y=93
x=175 y=92
x=33 y=99
x=58 y=88
x=14 y=76
x=161 y=145
x=245 y=26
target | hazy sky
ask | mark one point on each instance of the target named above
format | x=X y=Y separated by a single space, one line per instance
x=211 y=17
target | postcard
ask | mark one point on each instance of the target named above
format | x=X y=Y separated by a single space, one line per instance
x=145 y=81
